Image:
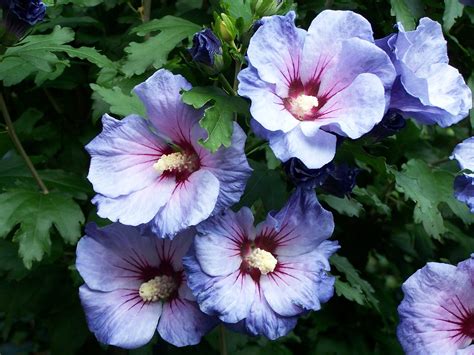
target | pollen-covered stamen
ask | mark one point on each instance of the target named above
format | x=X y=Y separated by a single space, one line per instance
x=158 y=288
x=262 y=260
x=177 y=162
x=302 y=105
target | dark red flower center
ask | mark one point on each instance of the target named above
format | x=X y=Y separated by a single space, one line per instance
x=304 y=100
x=461 y=317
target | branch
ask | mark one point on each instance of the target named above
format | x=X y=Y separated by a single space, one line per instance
x=19 y=146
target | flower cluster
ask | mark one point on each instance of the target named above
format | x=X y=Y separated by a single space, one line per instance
x=165 y=189
x=179 y=260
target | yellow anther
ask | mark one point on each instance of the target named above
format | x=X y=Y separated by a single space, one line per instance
x=262 y=260
x=158 y=288
x=175 y=161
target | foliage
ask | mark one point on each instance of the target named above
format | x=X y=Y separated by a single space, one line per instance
x=84 y=60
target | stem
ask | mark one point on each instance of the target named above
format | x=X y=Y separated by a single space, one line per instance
x=146 y=10
x=19 y=146
x=146 y=5
x=227 y=85
x=256 y=148
x=238 y=66
x=222 y=343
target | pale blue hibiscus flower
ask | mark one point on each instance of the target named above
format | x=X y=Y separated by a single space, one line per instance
x=135 y=285
x=260 y=279
x=155 y=171
x=308 y=87
x=427 y=88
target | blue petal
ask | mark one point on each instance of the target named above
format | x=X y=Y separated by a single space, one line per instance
x=183 y=324
x=262 y=320
x=161 y=94
x=191 y=202
x=231 y=168
x=109 y=258
x=118 y=320
x=228 y=297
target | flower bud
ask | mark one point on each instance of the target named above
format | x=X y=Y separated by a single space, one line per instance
x=19 y=16
x=338 y=180
x=207 y=51
x=262 y=8
x=225 y=28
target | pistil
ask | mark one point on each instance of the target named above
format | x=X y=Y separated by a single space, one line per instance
x=302 y=105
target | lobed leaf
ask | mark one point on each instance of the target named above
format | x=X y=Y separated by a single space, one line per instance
x=218 y=115
x=35 y=214
x=154 y=51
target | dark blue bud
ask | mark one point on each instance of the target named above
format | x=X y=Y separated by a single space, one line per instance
x=29 y=11
x=341 y=180
x=338 y=180
x=19 y=16
x=467 y=2
x=391 y=123
x=205 y=47
x=301 y=175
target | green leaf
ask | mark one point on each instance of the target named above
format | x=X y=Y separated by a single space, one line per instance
x=265 y=185
x=35 y=213
x=403 y=14
x=13 y=171
x=428 y=188
x=154 y=51
x=31 y=56
x=452 y=10
x=355 y=289
x=37 y=55
x=120 y=103
x=90 y=54
x=346 y=206
x=218 y=116
x=369 y=197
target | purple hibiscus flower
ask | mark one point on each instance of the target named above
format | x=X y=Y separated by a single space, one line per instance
x=437 y=312
x=307 y=87
x=156 y=171
x=135 y=285
x=427 y=88
x=464 y=183
x=260 y=279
